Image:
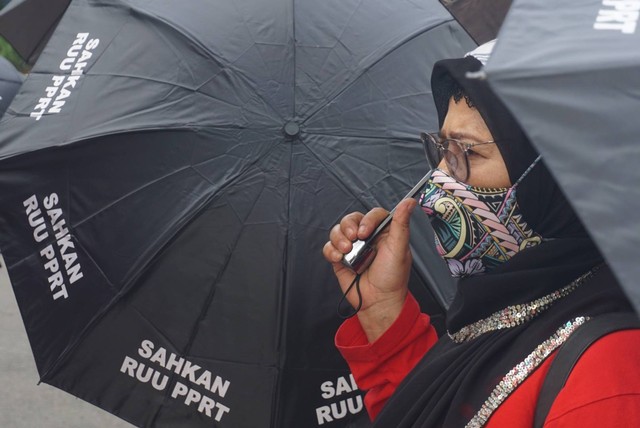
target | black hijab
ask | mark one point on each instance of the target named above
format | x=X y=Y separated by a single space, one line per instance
x=453 y=380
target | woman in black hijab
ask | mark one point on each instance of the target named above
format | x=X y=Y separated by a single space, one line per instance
x=529 y=275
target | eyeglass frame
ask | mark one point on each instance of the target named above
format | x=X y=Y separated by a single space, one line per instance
x=437 y=141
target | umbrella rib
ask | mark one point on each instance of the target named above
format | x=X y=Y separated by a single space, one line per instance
x=131 y=193
x=282 y=312
x=364 y=70
x=295 y=61
x=372 y=137
x=281 y=300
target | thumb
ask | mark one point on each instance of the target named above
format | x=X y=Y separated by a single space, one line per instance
x=399 y=229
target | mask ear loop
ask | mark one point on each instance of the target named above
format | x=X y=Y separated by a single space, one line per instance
x=524 y=174
x=356 y=282
x=526 y=171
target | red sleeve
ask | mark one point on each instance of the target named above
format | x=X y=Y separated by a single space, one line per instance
x=379 y=367
x=604 y=386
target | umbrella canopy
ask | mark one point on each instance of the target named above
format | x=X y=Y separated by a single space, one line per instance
x=168 y=176
x=570 y=73
x=10 y=82
x=28 y=24
x=481 y=19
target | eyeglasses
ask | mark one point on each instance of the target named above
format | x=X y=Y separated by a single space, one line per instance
x=454 y=152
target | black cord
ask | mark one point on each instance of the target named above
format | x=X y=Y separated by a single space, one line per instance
x=356 y=282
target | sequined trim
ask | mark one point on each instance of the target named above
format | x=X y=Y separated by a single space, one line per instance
x=520 y=372
x=515 y=315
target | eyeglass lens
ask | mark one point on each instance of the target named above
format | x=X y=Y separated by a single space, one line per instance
x=453 y=154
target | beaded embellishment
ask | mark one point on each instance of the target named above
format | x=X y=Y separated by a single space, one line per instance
x=520 y=372
x=512 y=316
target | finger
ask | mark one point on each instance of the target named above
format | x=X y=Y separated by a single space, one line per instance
x=331 y=253
x=349 y=225
x=370 y=221
x=343 y=274
x=339 y=240
x=399 y=229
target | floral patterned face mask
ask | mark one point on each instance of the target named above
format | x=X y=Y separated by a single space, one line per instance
x=475 y=228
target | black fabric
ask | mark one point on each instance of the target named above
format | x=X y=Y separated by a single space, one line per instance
x=481 y=19
x=449 y=385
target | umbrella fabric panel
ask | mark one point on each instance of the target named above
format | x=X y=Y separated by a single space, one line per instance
x=52 y=325
x=337 y=41
x=571 y=78
x=144 y=379
x=135 y=84
x=252 y=38
x=159 y=218
x=392 y=97
x=253 y=277
x=216 y=283
x=359 y=165
x=49 y=267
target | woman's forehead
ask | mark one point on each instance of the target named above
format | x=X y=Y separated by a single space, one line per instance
x=464 y=123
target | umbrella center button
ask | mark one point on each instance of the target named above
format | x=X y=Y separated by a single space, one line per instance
x=291 y=129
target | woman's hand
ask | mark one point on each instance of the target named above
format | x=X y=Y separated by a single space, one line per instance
x=384 y=285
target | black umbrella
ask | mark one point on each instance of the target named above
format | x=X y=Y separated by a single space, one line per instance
x=570 y=72
x=28 y=24
x=10 y=82
x=168 y=176
x=480 y=18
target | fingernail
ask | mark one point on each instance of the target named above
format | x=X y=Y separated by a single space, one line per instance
x=361 y=229
x=349 y=233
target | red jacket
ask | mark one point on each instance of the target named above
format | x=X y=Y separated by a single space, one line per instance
x=603 y=390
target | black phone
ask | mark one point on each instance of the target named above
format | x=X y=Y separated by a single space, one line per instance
x=363 y=253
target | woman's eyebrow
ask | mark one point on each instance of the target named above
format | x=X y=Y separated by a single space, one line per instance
x=461 y=135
